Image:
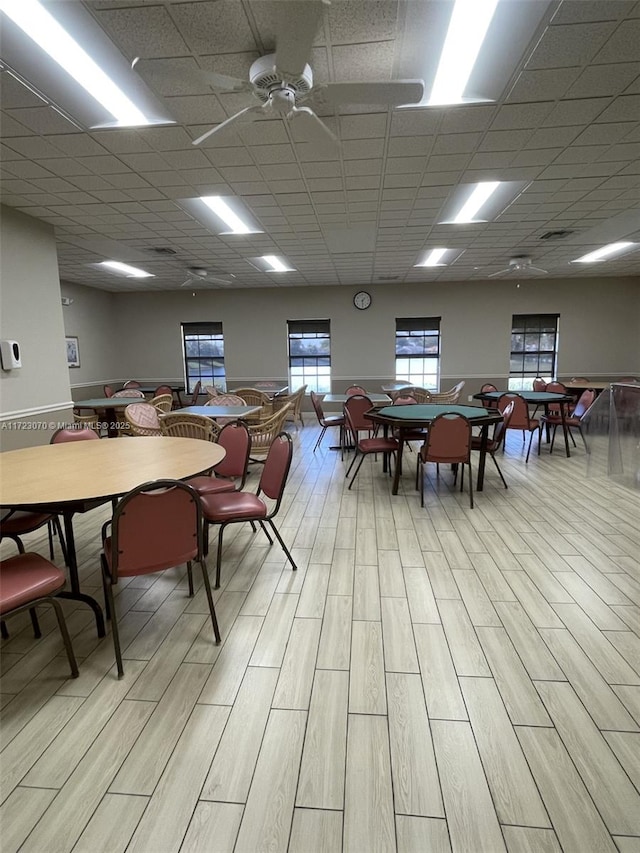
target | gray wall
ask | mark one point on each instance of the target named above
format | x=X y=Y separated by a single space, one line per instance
x=599 y=327
x=31 y=313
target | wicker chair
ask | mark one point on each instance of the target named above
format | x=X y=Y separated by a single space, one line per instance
x=182 y=425
x=295 y=401
x=420 y=395
x=90 y=421
x=142 y=419
x=130 y=392
x=163 y=402
x=210 y=391
x=451 y=396
x=263 y=433
x=254 y=397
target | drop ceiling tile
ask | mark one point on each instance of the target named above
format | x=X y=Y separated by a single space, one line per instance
x=121 y=141
x=26 y=169
x=493 y=160
x=268 y=132
x=623 y=151
x=592 y=10
x=604 y=79
x=143 y=31
x=214 y=27
x=504 y=140
x=362 y=21
x=400 y=165
x=542 y=85
x=282 y=172
x=197 y=109
x=520 y=116
x=465 y=119
x=536 y=157
x=600 y=134
x=272 y=154
x=548 y=138
x=582 y=111
x=363 y=167
x=455 y=143
x=570 y=44
x=362 y=149
x=624 y=108
x=321 y=170
x=363 y=126
x=623 y=44
x=318 y=184
x=581 y=154
x=41 y=119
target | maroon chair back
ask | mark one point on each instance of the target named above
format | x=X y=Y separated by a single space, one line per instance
x=539 y=384
x=501 y=428
x=355 y=406
x=131 y=383
x=236 y=440
x=196 y=393
x=276 y=468
x=155 y=526
x=520 y=412
x=555 y=388
x=404 y=400
x=163 y=389
x=81 y=433
x=448 y=439
x=107 y=390
x=585 y=402
x=317 y=406
x=488 y=386
x=355 y=389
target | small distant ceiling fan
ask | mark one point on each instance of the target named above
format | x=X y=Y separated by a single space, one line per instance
x=519 y=264
x=199 y=277
x=282 y=82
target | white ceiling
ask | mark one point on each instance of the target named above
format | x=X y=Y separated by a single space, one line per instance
x=567 y=122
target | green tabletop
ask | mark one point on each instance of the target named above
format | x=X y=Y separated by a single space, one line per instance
x=429 y=411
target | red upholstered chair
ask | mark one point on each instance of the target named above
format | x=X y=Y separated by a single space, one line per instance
x=28 y=580
x=237 y=507
x=65 y=434
x=196 y=394
x=131 y=383
x=539 y=384
x=16 y=523
x=155 y=526
x=412 y=435
x=497 y=440
x=163 y=389
x=355 y=389
x=130 y=392
x=574 y=420
x=520 y=418
x=364 y=446
x=107 y=390
x=448 y=442
x=231 y=473
x=358 y=404
x=325 y=421
x=486 y=388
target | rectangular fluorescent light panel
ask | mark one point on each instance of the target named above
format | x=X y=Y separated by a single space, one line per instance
x=468 y=27
x=433 y=259
x=34 y=20
x=603 y=253
x=476 y=200
x=231 y=219
x=276 y=264
x=125 y=269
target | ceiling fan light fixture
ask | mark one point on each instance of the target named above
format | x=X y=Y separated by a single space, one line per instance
x=604 y=252
x=470 y=20
x=40 y=26
x=119 y=268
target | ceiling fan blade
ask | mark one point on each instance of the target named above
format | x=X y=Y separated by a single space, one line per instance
x=223 y=83
x=214 y=279
x=392 y=92
x=499 y=273
x=190 y=281
x=247 y=114
x=538 y=269
x=305 y=116
x=298 y=22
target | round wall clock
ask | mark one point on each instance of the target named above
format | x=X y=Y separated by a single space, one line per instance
x=362 y=299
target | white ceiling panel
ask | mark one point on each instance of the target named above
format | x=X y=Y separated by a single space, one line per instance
x=361 y=210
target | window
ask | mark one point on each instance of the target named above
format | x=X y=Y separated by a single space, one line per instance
x=203 y=354
x=534 y=349
x=418 y=351
x=310 y=354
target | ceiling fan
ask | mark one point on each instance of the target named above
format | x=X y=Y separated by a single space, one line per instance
x=197 y=276
x=519 y=264
x=282 y=82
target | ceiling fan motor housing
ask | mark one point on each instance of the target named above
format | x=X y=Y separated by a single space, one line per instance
x=265 y=78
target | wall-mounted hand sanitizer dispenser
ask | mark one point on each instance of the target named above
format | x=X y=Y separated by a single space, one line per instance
x=10 y=354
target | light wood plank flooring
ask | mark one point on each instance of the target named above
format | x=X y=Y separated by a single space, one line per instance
x=430 y=679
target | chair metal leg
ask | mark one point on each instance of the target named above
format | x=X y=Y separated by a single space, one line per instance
x=219 y=558
x=50 y=537
x=66 y=639
x=529 y=448
x=114 y=625
x=362 y=458
x=190 y=579
x=4 y=633
x=212 y=609
x=284 y=547
x=495 y=462
x=37 y=633
x=470 y=482
x=61 y=539
x=265 y=531
x=317 y=444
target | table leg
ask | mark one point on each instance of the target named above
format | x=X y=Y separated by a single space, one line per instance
x=482 y=458
x=74 y=580
x=564 y=428
x=398 y=471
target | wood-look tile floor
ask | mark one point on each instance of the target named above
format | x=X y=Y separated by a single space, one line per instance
x=430 y=679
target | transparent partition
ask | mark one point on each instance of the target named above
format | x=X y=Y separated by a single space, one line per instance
x=612 y=427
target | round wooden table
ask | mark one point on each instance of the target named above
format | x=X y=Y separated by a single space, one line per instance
x=79 y=475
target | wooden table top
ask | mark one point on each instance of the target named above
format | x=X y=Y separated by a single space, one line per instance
x=84 y=470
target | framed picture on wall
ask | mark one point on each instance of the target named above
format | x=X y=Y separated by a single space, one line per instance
x=73 y=352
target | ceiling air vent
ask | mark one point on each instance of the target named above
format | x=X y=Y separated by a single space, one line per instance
x=556 y=235
x=388 y=277
x=164 y=250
